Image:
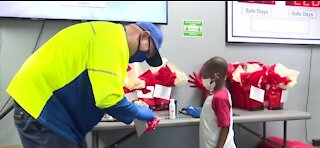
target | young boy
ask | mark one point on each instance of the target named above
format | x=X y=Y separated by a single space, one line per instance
x=216 y=116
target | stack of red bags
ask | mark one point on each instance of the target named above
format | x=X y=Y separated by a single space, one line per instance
x=147 y=96
x=254 y=84
x=160 y=84
x=162 y=94
x=246 y=83
x=154 y=86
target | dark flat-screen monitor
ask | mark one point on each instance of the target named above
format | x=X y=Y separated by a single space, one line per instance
x=124 y=11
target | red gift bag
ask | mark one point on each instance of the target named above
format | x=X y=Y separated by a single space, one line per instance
x=274 y=97
x=250 y=103
x=150 y=82
x=236 y=90
x=273 y=93
x=248 y=80
x=165 y=77
x=238 y=96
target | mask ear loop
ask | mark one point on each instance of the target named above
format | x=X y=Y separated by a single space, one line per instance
x=213 y=81
x=216 y=75
x=139 y=40
x=148 y=52
x=138 y=48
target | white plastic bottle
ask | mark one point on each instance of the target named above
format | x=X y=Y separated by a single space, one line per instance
x=172 y=109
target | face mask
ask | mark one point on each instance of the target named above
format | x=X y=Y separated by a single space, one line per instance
x=139 y=56
x=208 y=84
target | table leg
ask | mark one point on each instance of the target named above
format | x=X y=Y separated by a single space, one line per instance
x=121 y=140
x=95 y=139
x=258 y=135
x=264 y=135
x=284 y=134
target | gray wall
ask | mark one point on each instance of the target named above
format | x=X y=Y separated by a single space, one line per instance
x=314 y=101
x=18 y=39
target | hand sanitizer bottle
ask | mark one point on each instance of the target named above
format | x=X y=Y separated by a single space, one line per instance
x=172 y=109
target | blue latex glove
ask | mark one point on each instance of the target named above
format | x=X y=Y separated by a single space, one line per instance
x=126 y=111
x=194 y=112
x=145 y=113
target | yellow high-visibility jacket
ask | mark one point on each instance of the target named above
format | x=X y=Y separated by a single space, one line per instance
x=69 y=81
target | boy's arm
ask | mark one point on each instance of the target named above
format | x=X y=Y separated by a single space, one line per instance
x=222 y=108
x=222 y=137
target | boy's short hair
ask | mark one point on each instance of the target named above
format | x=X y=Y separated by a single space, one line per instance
x=216 y=64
